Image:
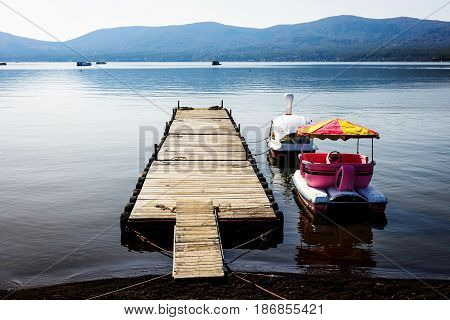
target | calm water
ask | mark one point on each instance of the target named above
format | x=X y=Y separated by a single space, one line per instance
x=70 y=158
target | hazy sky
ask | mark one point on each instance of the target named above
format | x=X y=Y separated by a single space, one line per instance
x=67 y=19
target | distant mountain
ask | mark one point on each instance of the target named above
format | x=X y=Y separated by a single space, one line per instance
x=342 y=38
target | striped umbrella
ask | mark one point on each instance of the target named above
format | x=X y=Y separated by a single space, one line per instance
x=335 y=129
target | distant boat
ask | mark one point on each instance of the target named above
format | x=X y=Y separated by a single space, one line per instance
x=83 y=64
x=100 y=62
x=216 y=63
x=3 y=64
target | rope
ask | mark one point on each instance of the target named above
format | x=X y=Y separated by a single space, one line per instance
x=259 y=287
x=168 y=253
x=241 y=255
x=258 y=154
x=216 y=214
x=254 y=239
x=265 y=139
x=260 y=274
x=128 y=287
x=165 y=275
x=163 y=251
x=233 y=273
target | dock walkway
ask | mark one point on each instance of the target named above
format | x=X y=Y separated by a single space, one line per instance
x=197 y=251
x=202 y=158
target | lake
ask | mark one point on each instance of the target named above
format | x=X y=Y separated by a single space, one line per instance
x=71 y=156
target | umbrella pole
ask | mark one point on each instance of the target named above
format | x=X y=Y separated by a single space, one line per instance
x=357 y=147
x=372 y=149
x=301 y=147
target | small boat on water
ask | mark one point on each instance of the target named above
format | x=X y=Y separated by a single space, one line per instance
x=3 y=63
x=283 y=138
x=216 y=63
x=83 y=64
x=100 y=62
x=337 y=182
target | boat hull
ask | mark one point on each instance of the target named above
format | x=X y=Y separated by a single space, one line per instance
x=356 y=171
x=285 y=158
x=287 y=155
x=290 y=153
x=331 y=201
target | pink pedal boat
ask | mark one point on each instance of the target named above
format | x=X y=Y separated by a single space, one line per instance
x=337 y=182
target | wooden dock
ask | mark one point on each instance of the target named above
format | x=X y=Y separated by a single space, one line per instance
x=197 y=251
x=202 y=163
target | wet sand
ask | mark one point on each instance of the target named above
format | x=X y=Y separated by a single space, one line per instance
x=243 y=286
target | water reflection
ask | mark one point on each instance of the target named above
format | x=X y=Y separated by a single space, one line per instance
x=343 y=243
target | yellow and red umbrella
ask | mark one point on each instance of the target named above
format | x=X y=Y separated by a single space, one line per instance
x=335 y=129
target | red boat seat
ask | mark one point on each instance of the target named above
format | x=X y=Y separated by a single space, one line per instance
x=319 y=173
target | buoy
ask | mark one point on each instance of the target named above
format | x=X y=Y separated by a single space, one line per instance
x=124 y=218
x=128 y=207
x=279 y=214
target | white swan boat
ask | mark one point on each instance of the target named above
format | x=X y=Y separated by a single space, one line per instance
x=283 y=138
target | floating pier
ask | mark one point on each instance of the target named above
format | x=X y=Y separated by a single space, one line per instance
x=202 y=176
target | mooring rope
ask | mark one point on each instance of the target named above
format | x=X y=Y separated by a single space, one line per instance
x=252 y=240
x=265 y=139
x=165 y=275
x=128 y=287
x=163 y=251
x=258 y=154
x=169 y=254
x=241 y=255
x=232 y=272
x=259 y=287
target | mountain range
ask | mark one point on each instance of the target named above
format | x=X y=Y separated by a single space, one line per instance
x=341 y=38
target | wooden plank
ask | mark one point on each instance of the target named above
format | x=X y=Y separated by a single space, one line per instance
x=200 y=139
x=223 y=164
x=228 y=209
x=202 y=122
x=197 y=249
x=209 y=161
x=180 y=139
x=204 y=157
x=201 y=114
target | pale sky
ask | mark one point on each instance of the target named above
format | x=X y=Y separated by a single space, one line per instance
x=69 y=19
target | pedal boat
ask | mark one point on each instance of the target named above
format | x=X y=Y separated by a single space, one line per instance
x=283 y=139
x=337 y=182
